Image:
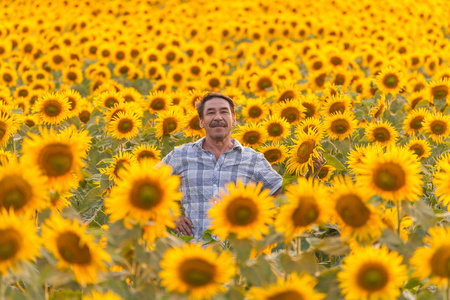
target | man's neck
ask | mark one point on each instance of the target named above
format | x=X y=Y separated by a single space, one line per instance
x=217 y=147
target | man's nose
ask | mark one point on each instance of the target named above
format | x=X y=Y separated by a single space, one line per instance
x=218 y=117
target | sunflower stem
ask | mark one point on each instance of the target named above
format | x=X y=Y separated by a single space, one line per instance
x=1 y=287
x=298 y=248
x=447 y=292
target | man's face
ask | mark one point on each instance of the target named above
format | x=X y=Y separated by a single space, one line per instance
x=218 y=119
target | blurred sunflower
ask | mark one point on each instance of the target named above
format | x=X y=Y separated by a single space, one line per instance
x=303 y=152
x=421 y=148
x=120 y=162
x=291 y=110
x=311 y=104
x=377 y=111
x=144 y=192
x=131 y=95
x=58 y=155
x=74 y=249
x=201 y=272
x=275 y=153
x=340 y=125
x=413 y=123
x=307 y=206
x=255 y=109
x=441 y=181
x=191 y=125
x=158 y=101
x=432 y=260
x=394 y=175
x=168 y=122
x=262 y=82
x=437 y=126
x=314 y=124
x=8 y=76
x=154 y=70
x=438 y=89
x=74 y=99
x=277 y=128
x=390 y=80
x=125 y=125
x=370 y=273
x=356 y=218
x=286 y=92
x=251 y=135
x=101 y=296
x=381 y=132
x=295 y=287
x=325 y=173
x=108 y=99
x=86 y=110
x=18 y=240
x=8 y=126
x=52 y=108
x=6 y=157
x=389 y=217
x=146 y=151
x=72 y=75
x=242 y=210
x=58 y=200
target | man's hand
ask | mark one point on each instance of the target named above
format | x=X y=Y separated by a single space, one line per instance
x=183 y=226
x=317 y=165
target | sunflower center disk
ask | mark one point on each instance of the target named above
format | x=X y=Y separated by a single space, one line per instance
x=306 y=212
x=418 y=150
x=72 y=250
x=372 y=278
x=389 y=177
x=305 y=151
x=241 y=212
x=440 y=262
x=52 y=108
x=391 y=80
x=169 y=125
x=416 y=123
x=2 y=132
x=275 y=130
x=146 y=195
x=158 y=104
x=337 y=107
x=197 y=272
x=9 y=244
x=125 y=126
x=286 y=95
x=438 y=127
x=272 y=155
x=290 y=114
x=255 y=112
x=287 y=295
x=56 y=159
x=251 y=137
x=352 y=210
x=439 y=91
x=195 y=124
x=110 y=102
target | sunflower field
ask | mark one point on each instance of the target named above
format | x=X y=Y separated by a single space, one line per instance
x=95 y=93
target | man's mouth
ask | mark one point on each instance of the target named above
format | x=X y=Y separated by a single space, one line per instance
x=218 y=124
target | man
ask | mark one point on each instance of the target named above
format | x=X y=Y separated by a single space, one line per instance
x=210 y=163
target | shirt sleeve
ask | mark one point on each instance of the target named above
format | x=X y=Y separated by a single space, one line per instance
x=267 y=175
x=172 y=159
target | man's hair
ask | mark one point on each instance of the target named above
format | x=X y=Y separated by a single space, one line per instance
x=201 y=105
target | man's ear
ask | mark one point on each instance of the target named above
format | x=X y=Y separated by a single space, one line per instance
x=201 y=123
x=234 y=120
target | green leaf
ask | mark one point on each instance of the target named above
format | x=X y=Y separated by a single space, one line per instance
x=259 y=273
x=305 y=263
x=288 y=179
x=328 y=284
x=420 y=212
x=186 y=238
x=241 y=247
x=333 y=161
x=333 y=246
x=412 y=283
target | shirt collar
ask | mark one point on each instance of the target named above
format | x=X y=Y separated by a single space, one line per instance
x=237 y=145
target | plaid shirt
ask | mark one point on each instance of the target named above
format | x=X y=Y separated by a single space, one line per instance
x=202 y=176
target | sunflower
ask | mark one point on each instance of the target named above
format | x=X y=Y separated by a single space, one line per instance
x=394 y=175
x=201 y=272
x=8 y=126
x=340 y=125
x=131 y=95
x=441 y=181
x=58 y=155
x=242 y=210
x=432 y=260
x=262 y=82
x=295 y=287
x=311 y=104
x=381 y=132
x=314 y=124
x=58 y=200
x=22 y=188
x=277 y=128
x=125 y=125
x=377 y=111
x=370 y=273
x=72 y=75
x=191 y=125
x=307 y=206
x=303 y=152
x=144 y=192
x=389 y=217
x=356 y=218
x=6 y=157
x=437 y=126
x=251 y=135
x=85 y=111
x=286 y=92
x=154 y=70
x=421 y=148
x=255 y=109
x=21 y=91
x=5 y=96
x=275 y=153
x=74 y=99
x=158 y=101
x=101 y=296
x=325 y=173
x=8 y=76
x=317 y=80
x=390 y=80
x=439 y=89
x=52 y=108
x=415 y=98
x=168 y=122
x=18 y=240
x=291 y=110
x=146 y=151
x=120 y=162
x=108 y=99
x=413 y=123
x=74 y=249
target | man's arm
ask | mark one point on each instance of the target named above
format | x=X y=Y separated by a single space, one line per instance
x=278 y=192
